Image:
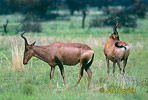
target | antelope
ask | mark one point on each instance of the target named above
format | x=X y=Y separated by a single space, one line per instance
x=62 y=54
x=116 y=51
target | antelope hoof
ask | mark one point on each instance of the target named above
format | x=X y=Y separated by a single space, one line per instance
x=89 y=87
x=50 y=86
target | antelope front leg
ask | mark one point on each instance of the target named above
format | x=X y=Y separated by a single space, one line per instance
x=61 y=68
x=51 y=75
x=62 y=73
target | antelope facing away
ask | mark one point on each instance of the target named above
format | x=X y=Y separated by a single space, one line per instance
x=62 y=54
x=116 y=51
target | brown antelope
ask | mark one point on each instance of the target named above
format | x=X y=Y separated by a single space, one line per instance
x=62 y=54
x=116 y=51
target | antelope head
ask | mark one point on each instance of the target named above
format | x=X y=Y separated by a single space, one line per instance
x=28 y=52
x=115 y=35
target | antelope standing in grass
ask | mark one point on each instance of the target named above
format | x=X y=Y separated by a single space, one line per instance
x=116 y=51
x=62 y=54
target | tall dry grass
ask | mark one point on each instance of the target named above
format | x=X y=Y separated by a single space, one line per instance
x=17 y=58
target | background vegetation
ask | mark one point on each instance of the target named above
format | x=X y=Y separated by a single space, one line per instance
x=31 y=82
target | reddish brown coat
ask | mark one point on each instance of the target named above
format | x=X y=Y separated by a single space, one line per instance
x=116 y=51
x=62 y=54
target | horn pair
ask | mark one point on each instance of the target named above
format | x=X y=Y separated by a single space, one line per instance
x=115 y=27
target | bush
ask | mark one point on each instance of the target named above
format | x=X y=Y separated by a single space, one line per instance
x=3 y=7
x=76 y=5
x=124 y=18
x=38 y=7
x=140 y=8
x=124 y=21
x=31 y=23
x=97 y=22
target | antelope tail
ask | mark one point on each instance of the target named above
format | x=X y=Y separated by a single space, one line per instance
x=116 y=44
x=89 y=64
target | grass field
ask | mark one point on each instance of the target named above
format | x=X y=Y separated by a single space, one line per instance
x=31 y=82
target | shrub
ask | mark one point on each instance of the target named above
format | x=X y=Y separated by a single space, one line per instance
x=31 y=23
x=97 y=22
x=3 y=7
x=38 y=7
x=124 y=18
x=140 y=8
x=76 y=5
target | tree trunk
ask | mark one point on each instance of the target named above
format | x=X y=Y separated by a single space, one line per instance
x=72 y=12
x=5 y=26
x=83 y=19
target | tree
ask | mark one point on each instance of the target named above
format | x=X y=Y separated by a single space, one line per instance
x=38 y=7
x=5 y=26
x=140 y=8
x=31 y=23
x=3 y=7
x=76 y=5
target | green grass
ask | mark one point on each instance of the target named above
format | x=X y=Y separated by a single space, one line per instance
x=33 y=82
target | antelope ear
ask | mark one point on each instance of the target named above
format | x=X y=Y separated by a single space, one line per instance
x=33 y=43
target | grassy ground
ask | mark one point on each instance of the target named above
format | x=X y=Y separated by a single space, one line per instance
x=31 y=82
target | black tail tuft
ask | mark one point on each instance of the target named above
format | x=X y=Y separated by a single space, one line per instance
x=84 y=64
x=116 y=44
x=90 y=63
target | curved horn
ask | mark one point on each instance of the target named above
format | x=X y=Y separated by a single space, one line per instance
x=26 y=43
x=115 y=27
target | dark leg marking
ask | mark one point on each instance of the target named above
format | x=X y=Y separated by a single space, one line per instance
x=61 y=68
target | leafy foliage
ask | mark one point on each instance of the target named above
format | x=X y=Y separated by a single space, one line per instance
x=76 y=5
x=140 y=8
x=122 y=16
x=38 y=7
x=31 y=23
x=137 y=7
x=3 y=7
